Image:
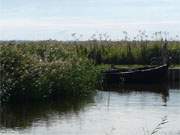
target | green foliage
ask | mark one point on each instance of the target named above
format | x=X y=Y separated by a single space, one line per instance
x=132 y=52
x=44 y=70
x=31 y=76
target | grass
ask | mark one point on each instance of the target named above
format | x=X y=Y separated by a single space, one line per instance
x=43 y=70
x=157 y=128
x=27 y=74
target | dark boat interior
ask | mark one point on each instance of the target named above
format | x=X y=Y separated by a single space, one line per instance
x=116 y=69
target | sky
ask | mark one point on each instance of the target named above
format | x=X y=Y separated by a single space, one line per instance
x=58 y=19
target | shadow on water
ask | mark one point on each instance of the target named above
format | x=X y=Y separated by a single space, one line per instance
x=162 y=88
x=21 y=116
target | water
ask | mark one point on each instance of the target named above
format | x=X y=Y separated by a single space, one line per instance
x=122 y=112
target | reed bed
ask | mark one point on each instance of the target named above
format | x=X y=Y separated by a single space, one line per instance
x=41 y=70
x=32 y=73
x=129 y=52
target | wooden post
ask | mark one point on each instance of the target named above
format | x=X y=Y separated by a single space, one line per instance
x=164 y=52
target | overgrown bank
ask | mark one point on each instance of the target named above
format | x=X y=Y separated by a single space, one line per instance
x=27 y=76
x=44 y=70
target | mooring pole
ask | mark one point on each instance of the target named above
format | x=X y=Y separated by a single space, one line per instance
x=164 y=52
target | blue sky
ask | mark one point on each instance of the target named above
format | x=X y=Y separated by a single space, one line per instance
x=58 y=19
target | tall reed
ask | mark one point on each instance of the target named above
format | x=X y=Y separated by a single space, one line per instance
x=40 y=70
x=29 y=74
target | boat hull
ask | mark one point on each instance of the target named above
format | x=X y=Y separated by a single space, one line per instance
x=148 y=75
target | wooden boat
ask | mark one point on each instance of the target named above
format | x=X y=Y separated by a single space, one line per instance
x=138 y=75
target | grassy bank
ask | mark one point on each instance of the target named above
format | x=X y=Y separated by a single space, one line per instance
x=28 y=75
x=102 y=52
x=44 y=70
x=131 y=52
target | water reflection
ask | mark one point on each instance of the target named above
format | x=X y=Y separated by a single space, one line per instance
x=138 y=106
x=20 y=116
x=162 y=89
x=174 y=85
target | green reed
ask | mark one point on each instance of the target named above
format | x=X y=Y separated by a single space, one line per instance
x=41 y=70
x=31 y=73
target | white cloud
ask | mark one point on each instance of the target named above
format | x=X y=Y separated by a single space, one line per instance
x=46 y=24
x=61 y=28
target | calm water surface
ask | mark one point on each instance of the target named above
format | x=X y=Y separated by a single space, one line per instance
x=122 y=112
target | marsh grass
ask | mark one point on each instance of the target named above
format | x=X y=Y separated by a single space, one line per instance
x=132 y=52
x=157 y=128
x=30 y=74
x=41 y=70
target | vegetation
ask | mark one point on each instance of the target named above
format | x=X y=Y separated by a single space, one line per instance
x=30 y=73
x=130 y=52
x=50 y=69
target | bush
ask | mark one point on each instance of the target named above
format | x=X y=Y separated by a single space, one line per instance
x=25 y=78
